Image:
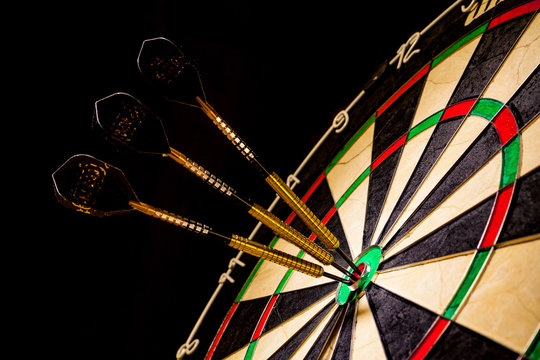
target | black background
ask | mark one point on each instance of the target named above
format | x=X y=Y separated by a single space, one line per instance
x=129 y=286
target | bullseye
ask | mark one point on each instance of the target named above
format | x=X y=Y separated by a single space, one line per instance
x=367 y=263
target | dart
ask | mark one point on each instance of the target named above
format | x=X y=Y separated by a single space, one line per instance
x=279 y=186
x=164 y=64
x=91 y=186
x=125 y=120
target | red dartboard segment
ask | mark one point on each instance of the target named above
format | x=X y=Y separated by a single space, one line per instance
x=506 y=125
x=430 y=339
x=313 y=188
x=329 y=215
x=325 y=220
x=290 y=218
x=221 y=330
x=307 y=195
x=404 y=88
x=396 y=145
x=502 y=203
x=520 y=10
x=264 y=318
x=459 y=109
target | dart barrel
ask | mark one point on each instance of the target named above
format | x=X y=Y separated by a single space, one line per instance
x=303 y=212
x=290 y=234
x=236 y=242
x=276 y=256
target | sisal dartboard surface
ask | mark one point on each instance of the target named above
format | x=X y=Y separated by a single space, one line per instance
x=439 y=168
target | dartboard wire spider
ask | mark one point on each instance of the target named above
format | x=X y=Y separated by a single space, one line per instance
x=126 y=121
x=165 y=65
x=94 y=187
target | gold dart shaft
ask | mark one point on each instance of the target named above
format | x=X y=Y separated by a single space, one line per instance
x=200 y=172
x=303 y=212
x=290 y=234
x=170 y=217
x=276 y=256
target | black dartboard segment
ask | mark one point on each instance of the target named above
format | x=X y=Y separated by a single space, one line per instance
x=483 y=148
x=460 y=235
x=402 y=324
x=461 y=343
x=342 y=348
x=440 y=137
x=296 y=340
x=438 y=167
x=291 y=303
x=489 y=55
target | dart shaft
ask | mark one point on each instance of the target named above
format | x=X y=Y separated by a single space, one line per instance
x=337 y=278
x=276 y=256
x=290 y=234
x=200 y=172
x=170 y=217
x=349 y=261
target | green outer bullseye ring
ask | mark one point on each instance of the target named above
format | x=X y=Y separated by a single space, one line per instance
x=371 y=257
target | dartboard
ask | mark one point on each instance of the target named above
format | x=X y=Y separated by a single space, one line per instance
x=434 y=185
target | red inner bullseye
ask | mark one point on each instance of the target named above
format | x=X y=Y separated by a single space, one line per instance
x=357 y=276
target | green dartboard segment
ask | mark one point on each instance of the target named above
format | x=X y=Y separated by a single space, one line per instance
x=371 y=258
